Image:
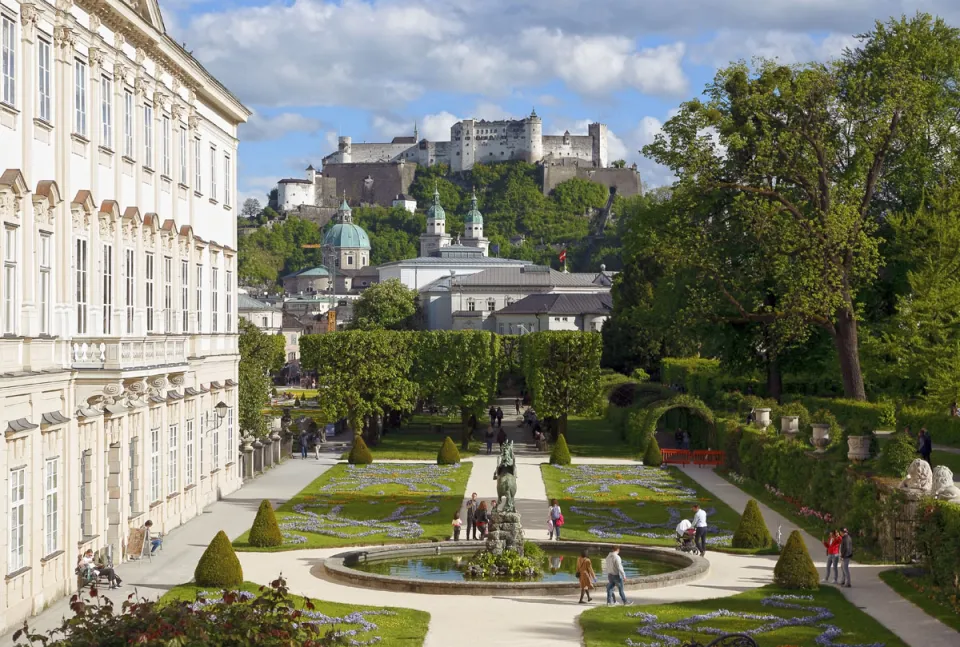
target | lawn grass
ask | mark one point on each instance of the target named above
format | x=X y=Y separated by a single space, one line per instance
x=401 y=627
x=596 y=438
x=916 y=587
x=949 y=459
x=383 y=503
x=612 y=626
x=595 y=510
x=417 y=444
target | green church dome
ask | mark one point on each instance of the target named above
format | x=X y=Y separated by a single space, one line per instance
x=473 y=216
x=347 y=236
x=436 y=211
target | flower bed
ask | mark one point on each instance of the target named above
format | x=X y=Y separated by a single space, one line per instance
x=632 y=504
x=372 y=504
x=773 y=617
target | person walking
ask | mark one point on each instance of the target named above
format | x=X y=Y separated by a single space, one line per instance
x=317 y=440
x=846 y=553
x=556 y=516
x=501 y=437
x=472 y=504
x=304 y=443
x=613 y=566
x=499 y=414
x=832 y=544
x=493 y=415
x=586 y=575
x=481 y=519
x=489 y=438
x=457 y=523
x=517 y=404
x=700 y=528
x=678 y=438
x=686 y=440
x=925 y=445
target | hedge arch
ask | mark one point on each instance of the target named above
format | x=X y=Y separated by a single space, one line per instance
x=642 y=424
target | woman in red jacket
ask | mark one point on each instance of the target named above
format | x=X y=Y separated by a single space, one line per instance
x=832 y=544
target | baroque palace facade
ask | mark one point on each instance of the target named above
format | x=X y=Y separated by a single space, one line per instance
x=119 y=352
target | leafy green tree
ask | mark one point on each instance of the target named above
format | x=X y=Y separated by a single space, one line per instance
x=268 y=254
x=251 y=208
x=361 y=374
x=562 y=371
x=260 y=355
x=577 y=196
x=458 y=369
x=804 y=162
x=389 y=305
x=618 y=164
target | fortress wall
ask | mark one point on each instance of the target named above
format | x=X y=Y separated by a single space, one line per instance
x=373 y=183
x=370 y=153
x=626 y=180
x=291 y=195
x=579 y=147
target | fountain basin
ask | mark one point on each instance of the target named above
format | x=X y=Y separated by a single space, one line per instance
x=427 y=568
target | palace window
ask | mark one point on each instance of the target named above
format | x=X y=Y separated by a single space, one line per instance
x=10 y=281
x=18 y=509
x=183 y=156
x=167 y=294
x=8 y=61
x=185 y=295
x=149 y=277
x=106 y=112
x=80 y=274
x=80 y=97
x=107 y=271
x=188 y=473
x=173 y=465
x=128 y=123
x=226 y=180
x=215 y=451
x=84 y=491
x=130 y=289
x=45 y=268
x=230 y=449
x=214 y=296
x=147 y=135
x=44 y=75
x=133 y=461
x=213 y=172
x=229 y=293
x=491 y=305
x=51 y=504
x=197 y=176
x=199 y=298
x=165 y=146
x=155 y=492
x=471 y=305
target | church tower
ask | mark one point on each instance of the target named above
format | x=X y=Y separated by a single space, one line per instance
x=436 y=236
x=473 y=228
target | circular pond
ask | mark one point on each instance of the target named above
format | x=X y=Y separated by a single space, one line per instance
x=439 y=568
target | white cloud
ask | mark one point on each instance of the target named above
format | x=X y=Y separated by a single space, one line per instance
x=789 y=48
x=436 y=127
x=260 y=128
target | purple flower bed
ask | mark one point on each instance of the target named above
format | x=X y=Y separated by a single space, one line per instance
x=614 y=523
x=603 y=477
x=402 y=523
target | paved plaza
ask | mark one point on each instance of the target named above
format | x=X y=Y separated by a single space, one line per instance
x=520 y=621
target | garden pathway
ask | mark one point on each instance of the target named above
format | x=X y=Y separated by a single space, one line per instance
x=869 y=592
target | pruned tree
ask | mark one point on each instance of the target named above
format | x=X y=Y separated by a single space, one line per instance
x=260 y=355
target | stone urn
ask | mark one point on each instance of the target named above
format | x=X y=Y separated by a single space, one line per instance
x=790 y=426
x=763 y=418
x=821 y=437
x=858 y=448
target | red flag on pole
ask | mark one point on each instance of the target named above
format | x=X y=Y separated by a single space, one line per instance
x=563 y=256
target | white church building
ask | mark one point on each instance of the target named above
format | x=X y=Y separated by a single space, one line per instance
x=119 y=353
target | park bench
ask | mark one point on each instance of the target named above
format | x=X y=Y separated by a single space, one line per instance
x=675 y=456
x=703 y=457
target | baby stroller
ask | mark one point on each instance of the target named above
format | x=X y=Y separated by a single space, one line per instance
x=685 y=537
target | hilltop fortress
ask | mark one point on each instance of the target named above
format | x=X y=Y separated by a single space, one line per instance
x=379 y=173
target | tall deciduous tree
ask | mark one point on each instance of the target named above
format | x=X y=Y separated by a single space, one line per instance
x=800 y=162
x=361 y=374
x=562 y=371
x=458 y=369
x=260 y=354
x=389 y=305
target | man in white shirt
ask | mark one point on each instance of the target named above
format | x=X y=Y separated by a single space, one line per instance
x=700 y=526
x=615 y=576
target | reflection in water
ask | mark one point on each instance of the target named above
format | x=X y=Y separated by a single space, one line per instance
x=562 y=566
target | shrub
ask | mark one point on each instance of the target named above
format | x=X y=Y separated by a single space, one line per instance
x=792 y=409
x=938 y=542
x=652 y=456
x=265 y=531
x=359 y=453
x=752 y=531
x=448 y=454
x=943 y=427
x=640 y=375
x=897 y=454
x=561 y=453
x=219 y=566
x=795 y=569
x=296 y=401
x=873 y=415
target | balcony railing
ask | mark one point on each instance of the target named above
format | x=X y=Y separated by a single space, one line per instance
x=120 y=354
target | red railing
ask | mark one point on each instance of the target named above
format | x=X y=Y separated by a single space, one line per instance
x=703 y=457
x=675 y=456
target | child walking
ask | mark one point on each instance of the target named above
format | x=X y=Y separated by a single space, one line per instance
x=456 y=526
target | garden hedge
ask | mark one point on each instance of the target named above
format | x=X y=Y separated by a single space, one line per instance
x=943 y=428
x=561 y=453
x=652 y=456
x=448 y=454
x=265 y=530
x=938 y=543
x=359 y=453
x=795 y=569
x=219 y=566
x=871 y=415
x=752 y=531
x=897 y=454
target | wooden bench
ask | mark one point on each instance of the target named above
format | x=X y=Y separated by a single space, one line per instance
x=703 y=457
x=675 y=456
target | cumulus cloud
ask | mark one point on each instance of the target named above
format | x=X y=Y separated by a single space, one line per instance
x=261 y=128
x=789 y=48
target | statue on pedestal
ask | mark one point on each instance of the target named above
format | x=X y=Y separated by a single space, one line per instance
x=506 y=478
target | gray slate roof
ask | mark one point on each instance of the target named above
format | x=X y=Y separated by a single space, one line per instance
x=527 y=276
x=247 y=302
x=561 y=304
x=436 y=260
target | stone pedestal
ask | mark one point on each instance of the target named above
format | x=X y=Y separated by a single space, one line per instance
x=790 y=426
x=506 y=533
x=858 y=448
x=247 y=449
x=821 y=437
x=763 y=417
x=267 y=452
x=257 y=457
x=277 y=453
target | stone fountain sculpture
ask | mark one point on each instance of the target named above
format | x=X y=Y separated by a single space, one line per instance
x=943 y=486
x=919 y=481
x=506 y=533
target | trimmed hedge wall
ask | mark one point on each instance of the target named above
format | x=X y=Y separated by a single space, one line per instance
x=944 y=429
x=853 y=413
x=938 y=542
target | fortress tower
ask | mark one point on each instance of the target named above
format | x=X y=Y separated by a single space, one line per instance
x=535 y=136
x=598 y=132
x=346 y=150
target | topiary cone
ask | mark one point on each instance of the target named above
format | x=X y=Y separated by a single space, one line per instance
x=265 y=531
x=219 y=566
x=652 y=457
x=359 y=453
x=752 y=531
x=795 y=569
x=448 y=454
x=561 y=453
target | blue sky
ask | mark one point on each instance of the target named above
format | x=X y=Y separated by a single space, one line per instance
x=313 y=69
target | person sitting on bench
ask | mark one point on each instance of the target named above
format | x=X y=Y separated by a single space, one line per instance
x=155 y=541
x=91 y=571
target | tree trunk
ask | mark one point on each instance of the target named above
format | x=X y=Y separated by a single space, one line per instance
x=562 y=425
x=465 y=431
x=848 y=352
x=774 y=378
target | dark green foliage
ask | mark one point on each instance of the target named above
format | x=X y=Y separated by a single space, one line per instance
x=938 y=542
x=561 y=453
x=219 y=566
x=448 y=454
x=359 y=453
x=508 y=565
x=265 y=531
x=752 y=531
x=943 y=427
x=795 y=569
x=260 y=355
x=897 y=454
x=652 y=456
x=389 y=305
